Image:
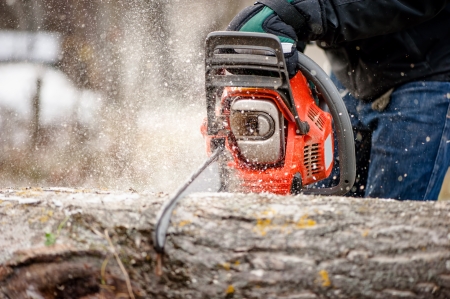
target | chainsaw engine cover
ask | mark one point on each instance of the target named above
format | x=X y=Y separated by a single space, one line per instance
x=258 y=127
x=266 y=150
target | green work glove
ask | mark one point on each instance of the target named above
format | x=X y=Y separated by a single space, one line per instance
x=287 y=24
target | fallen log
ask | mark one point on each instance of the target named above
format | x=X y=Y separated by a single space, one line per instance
x=68 y=243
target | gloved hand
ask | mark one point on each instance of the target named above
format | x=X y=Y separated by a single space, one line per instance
x=287 y=24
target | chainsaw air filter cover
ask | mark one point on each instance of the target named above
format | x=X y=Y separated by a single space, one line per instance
x=258 y=127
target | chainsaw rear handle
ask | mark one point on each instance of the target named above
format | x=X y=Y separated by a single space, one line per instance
x=342 y=124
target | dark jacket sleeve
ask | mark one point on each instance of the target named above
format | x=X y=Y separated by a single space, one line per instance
x=335 y=21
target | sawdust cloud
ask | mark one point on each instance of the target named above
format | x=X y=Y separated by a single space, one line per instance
x=148 y=75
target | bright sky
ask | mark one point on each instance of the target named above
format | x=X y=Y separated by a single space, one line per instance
x=59 y=97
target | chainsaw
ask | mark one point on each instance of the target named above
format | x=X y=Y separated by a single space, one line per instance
x=264 y=131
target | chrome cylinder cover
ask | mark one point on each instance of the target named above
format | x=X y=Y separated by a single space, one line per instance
x=258 y=127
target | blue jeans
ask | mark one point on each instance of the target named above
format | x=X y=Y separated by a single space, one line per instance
x=403 y=152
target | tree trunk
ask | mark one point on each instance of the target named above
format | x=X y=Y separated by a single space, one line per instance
x=66 y=243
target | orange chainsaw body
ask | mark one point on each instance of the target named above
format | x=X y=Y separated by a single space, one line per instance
x=309 y=155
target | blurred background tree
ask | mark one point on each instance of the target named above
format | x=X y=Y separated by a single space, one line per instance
x=141 y=61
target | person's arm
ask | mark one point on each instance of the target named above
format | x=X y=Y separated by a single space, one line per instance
x=335 y=21
x=331 y=21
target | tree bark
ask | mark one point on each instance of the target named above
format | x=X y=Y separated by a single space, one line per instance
x=67 y=243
